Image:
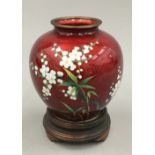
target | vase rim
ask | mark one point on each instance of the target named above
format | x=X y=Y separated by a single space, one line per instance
x=76 y=22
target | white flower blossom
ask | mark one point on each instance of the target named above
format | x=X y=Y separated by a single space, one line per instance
x=36 y=67
x=72 y=67
x=45 y=81
x=90 y=56
x=115 y=86
x=44 y=56
x=46 y=91
x=55 y=44
x=56 y=54
x=63 y=91
x=81 y=70
x=49 y=86
x=60 y=80
x=46 y=62
x=42 y=60
x=41 y=54
x=90 y=47
x=118 y=77
x=51 y=77
x=73 y=98
x=53 y=49
x=97 y=42
x=106 y=101
x=67 y=63
x=78 y=71
x=71 y=92
x=83 y=57
x=44 y=70
x=58 y=49
x=64 y=53
x=75 y=54
x=66 y=95
x=60 y=74
x=80 y=76
x=76 y=48
x=79 y=63
x=86 y=49
x=91 y=44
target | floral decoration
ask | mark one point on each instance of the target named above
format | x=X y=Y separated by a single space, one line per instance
x=74 y=86
x=114 y=86
x=50 y=77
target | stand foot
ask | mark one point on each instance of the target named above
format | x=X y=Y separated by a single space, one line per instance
x=59 y=130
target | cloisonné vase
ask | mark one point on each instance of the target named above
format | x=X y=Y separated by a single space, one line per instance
x=76 y=69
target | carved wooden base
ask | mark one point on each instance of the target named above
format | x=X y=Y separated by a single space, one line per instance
x=95 y=129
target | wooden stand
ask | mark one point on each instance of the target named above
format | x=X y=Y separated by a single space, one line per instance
x=95 y=129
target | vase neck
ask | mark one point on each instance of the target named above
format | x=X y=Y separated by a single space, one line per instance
x=76 y=25
x=80 y=32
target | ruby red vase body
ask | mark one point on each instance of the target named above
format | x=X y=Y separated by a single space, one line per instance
x=76 y=68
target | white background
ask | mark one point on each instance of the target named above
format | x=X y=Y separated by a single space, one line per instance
x=116 y=17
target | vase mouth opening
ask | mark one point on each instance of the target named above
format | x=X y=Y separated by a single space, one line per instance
x=77 y=22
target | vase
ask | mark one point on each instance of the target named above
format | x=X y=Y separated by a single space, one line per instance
x=76 y=69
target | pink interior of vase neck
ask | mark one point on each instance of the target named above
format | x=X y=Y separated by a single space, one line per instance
x=76 y=22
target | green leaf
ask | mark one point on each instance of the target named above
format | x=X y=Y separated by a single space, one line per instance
x=67 y=83
x=76 y=91
x=89 y=93
x=71 y=75
x=87 y=100
x=82 y=94
x=97 y=103
x=86 y=80
x=84 y=111
x=68 y=107
x=79 y=109
x=87 y=86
